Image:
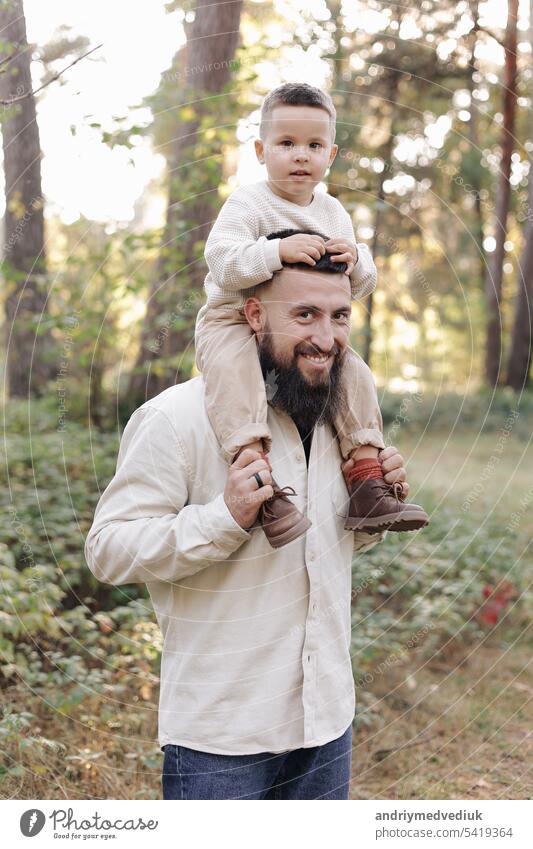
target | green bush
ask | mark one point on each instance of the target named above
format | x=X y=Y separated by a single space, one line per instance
x=479 y=412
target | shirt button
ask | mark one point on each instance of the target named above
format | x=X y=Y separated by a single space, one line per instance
x=311 y=555
x=300 y=457
x=315 y=608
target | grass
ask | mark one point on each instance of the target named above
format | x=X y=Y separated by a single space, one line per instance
x=483 y=475
x=457 y=732
x=458 y=727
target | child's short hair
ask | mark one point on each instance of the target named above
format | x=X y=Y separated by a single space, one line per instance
x=297 y=94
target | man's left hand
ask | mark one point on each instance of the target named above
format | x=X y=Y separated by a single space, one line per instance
x=344 y=251
x=392 y=464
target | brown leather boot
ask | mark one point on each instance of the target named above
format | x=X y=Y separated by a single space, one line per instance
x=378 y=506
x=282 y=522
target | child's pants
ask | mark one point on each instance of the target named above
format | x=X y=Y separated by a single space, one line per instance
x=236 y=396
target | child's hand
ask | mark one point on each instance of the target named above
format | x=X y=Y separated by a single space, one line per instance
x=344 y=252
x=301 y=247
x=392 y=464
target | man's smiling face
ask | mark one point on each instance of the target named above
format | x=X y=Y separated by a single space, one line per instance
x=307 y=314
x=302 y=322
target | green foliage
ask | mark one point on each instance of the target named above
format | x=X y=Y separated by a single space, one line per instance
x=424 y=596
x=69 y=646
x=100 y=279
x=477 y=412
x=50 y=491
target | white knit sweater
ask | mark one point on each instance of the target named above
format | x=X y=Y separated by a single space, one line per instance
x=239 y=255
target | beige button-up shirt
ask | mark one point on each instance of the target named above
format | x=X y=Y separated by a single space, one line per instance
x=256 y=651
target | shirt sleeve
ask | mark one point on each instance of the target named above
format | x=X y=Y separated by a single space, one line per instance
x=143 y=528
x=236 y=256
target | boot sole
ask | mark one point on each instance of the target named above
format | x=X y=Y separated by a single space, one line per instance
x=410 y=521
x=290 y=534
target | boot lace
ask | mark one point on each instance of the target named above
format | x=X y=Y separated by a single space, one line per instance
x=387 y=489
x=284 y=492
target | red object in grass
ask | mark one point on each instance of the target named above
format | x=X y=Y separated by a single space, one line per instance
x=496 y=600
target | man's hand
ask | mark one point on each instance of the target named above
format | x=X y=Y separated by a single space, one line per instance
x=301 y=248
x=344 y=250
x=242 y=494
x=392 y=464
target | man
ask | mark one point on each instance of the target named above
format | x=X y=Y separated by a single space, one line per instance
x=257 y=692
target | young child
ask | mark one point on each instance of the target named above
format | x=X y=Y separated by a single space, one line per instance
x=296 y=144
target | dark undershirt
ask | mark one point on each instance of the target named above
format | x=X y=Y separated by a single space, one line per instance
x=306 y=436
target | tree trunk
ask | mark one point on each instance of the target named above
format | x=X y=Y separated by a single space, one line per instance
x=195 y=169
x=520 y=354
x=473 y=136
x=24 y=263
x=386 y=153
x=495 y=270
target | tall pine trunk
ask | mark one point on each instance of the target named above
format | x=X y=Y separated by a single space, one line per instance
x=195 y=168
x=24 y=262
x=520 y=354
x=473 y=135
x=386 y=155
x=494 y=280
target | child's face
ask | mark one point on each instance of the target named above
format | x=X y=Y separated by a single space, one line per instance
x=297 y=148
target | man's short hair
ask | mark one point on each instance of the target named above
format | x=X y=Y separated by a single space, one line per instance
x=325 y=262
x=297 y=94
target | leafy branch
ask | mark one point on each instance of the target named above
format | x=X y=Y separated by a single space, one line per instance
x=52 y=79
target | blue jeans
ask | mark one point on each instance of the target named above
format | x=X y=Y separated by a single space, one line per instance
x=322 y=772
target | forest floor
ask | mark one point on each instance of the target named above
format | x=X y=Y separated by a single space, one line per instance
x=455 y=731
x=459 y=728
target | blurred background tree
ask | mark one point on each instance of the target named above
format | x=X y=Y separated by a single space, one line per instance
x=197 y=127
x=24 y=258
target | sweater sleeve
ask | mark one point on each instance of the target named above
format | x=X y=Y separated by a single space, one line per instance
x=364 y=273
x=236 y=256
x=144 y=529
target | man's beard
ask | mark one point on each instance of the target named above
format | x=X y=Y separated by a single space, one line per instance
x=309 y=404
